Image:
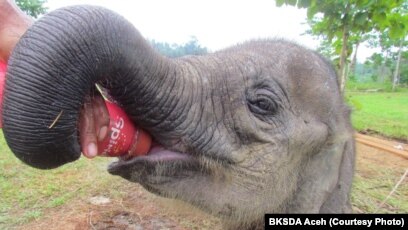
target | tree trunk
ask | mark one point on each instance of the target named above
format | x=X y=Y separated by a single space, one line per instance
x=382 y=71
x=343 y=60
x=396 y=72
x=354 y=60
x=344 y=50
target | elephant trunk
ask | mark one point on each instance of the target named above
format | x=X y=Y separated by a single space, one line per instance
x=55 y=66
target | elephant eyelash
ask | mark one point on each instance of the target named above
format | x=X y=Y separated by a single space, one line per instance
x=263 y=106
x=262 y=103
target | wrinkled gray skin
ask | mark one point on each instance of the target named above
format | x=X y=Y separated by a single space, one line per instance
x=257 y=128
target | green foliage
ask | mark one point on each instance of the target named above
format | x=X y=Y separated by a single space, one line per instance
x=299 y=3
x=34 y=8
x=404 y=68
x=192 y=47
x=344 y=23
x=384 y=64
x=358 y=17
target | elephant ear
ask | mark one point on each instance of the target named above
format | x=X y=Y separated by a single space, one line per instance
x=326 y=181
x=327 y=176
x=339 y=201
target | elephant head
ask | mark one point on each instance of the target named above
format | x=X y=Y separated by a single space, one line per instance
x=257 y=128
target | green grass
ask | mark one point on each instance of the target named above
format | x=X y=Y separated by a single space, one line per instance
x=369 y=191
x=379 y=87
x=27 y=194
x=385 y=113
x=361 y=86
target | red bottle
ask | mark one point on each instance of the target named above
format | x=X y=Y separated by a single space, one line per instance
x=3 y=68
x=123 y=139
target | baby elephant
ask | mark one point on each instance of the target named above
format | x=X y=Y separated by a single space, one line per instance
x=257 y=128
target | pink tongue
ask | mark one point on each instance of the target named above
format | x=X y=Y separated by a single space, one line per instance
x=3 y=68
x=158 y=153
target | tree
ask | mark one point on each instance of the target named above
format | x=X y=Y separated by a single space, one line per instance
x=392 y=48
x=339 y=20
x=34 y=8
x=390 y=63
x=356 y=40
x=401 y=15
x=192 y=47
x=395 y=79
x=381 y=65
x=403 y=73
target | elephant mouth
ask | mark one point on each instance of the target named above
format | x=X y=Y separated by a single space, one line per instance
x=159 y=153
x=160 y=163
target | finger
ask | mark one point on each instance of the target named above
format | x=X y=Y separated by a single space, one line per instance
x=101 y=117
x=87 y=132
x=14 y=23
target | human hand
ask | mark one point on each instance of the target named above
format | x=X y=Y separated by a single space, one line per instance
x=93 y=125
x=13 y=25
x=94 y=117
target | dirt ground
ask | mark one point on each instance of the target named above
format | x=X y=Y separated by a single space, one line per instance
x=142 y=210
x=368 y=157
x=139 y=210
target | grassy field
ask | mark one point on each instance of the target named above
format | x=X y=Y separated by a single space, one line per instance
x=383 y=113
x=60 y=199
x=377 y=173
x=27 y=192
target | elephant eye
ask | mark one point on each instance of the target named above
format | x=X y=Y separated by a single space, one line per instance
x=262 y=104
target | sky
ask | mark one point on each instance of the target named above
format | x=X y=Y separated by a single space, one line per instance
x=216 y=24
